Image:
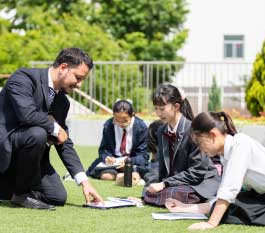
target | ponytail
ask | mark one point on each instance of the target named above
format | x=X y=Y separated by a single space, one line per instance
x=206 y=121
x=228 y=123
x=186 y=109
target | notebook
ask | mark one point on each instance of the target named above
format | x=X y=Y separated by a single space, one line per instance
x=116 y=164
x=175 y=216
x=112 y=203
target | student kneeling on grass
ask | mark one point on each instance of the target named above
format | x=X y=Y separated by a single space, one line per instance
x=184 y=173
x=124 y=135
x=241 y=195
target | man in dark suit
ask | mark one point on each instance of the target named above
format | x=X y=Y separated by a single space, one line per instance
x=33 y=109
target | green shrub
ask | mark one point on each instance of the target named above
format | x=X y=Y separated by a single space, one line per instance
x=255 y=90
x=214 y=103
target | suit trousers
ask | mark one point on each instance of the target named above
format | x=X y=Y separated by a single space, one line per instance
x=30 y=171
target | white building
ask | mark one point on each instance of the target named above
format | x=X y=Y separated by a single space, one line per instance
x=237 y=25
x=224 y=38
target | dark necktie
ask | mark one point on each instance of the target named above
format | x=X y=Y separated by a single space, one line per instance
x=170 y=135
x=51 y=95
x=123 y=143
x=171 y=144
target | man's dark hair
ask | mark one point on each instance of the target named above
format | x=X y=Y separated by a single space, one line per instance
x=73 y=57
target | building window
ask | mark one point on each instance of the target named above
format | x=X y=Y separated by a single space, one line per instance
x=233 y=46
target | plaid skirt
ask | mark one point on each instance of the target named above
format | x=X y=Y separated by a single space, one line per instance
x=248 y=209
x=183 y=193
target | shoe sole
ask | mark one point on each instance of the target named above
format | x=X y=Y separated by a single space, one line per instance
x=15 y=205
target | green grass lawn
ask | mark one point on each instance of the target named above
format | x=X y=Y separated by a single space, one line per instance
x=75 y=219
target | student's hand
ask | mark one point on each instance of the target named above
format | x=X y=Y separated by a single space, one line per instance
x=201 y=226
x=121 y=164
x=136 y=178
x=90 y=193
x=62 y=136
x=110 y=160
x=156 y=187
x=174 y=205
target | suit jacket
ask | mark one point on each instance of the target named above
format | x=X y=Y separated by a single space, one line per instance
x=139 y=152
x=189 y=166
x=24 y=103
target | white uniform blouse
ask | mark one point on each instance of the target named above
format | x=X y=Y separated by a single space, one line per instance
x=244 y=166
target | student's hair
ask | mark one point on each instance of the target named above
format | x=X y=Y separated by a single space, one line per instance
x=73 y=57
x=206 y=121
x=167 y=93
x=123 y=106
x=152 y=140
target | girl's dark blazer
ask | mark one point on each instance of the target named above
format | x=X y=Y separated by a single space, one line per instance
x=139 y=153
x=190 y=167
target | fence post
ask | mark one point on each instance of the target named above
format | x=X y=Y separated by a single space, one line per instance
x=147 y=84
x=242 y=98
x=200 y=97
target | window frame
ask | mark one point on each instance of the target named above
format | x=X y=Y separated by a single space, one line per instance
x=234 y=41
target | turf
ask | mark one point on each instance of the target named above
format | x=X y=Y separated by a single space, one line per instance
x=72 y=218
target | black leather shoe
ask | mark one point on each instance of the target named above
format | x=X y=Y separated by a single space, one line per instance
x=27 y=201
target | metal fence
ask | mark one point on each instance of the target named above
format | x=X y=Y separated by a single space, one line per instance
x=109 y=81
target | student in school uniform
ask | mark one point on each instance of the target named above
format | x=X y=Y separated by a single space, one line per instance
x=241 y=196
x=184 y=173
x=124 y=135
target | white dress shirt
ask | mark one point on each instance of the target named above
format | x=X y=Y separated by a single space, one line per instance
x=244 y=166
x=80 y=176
x=56 y=125
x=118 y=137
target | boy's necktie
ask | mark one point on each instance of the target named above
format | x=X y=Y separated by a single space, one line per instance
x=51 y=95
x=123 y=143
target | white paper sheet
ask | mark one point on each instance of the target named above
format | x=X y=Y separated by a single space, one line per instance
x=116 y=164
x=113 y=203
x=175 y=216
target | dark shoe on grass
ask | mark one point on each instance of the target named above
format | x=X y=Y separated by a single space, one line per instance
x=27 y=201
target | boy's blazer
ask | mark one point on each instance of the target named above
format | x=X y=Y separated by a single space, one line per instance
x=24 y=103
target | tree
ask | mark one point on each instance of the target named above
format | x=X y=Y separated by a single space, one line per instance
x=150 y=30
x=55 y=8
x=122 y=17
x=214 y=103
x=255 y=90
x=142 y=30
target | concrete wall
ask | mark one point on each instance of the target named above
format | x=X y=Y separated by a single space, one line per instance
x=85 y=132
x=89 y=132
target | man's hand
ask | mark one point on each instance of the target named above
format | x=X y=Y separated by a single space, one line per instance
x=156 y=187
x=62 y=136
x=90 y=193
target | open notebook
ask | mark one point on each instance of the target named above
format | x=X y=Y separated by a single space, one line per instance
x=112 y=203
x=175 y=216
x=116 y=164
